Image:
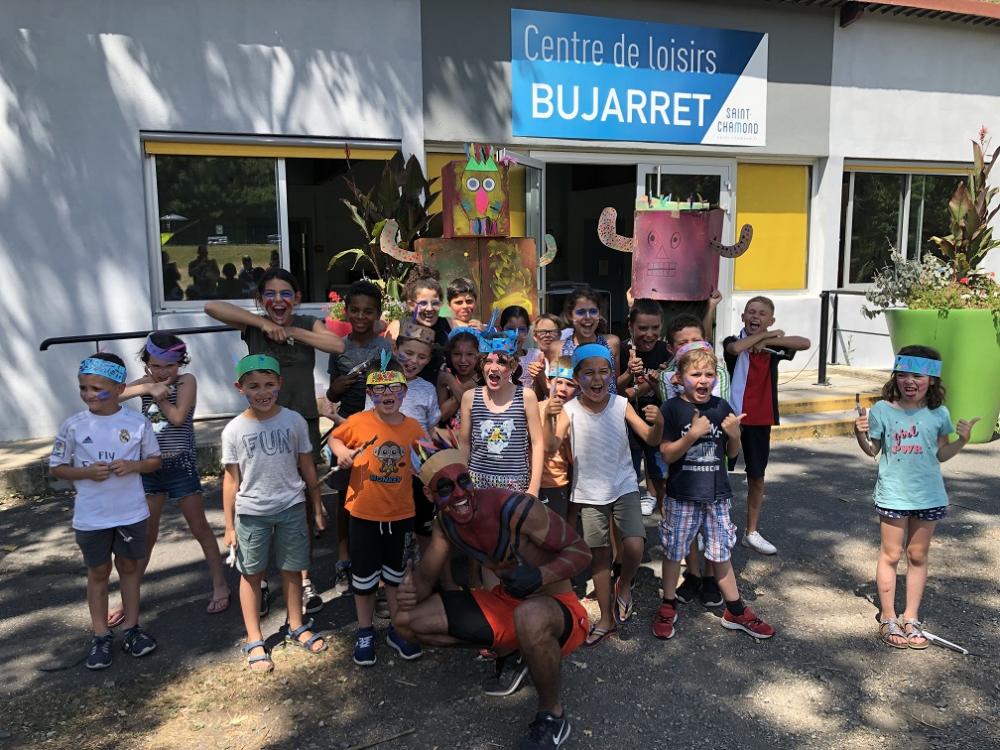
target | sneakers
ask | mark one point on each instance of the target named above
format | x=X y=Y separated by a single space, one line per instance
x=690 y=588
x=546 y=731
x=342 y=578
x=311 y=600
x=100 y=652
x=364 y=647
x=510 y=672
x=403 y=647
x=759 y=544
x=265 y=599
x=648 y=504
x=138 y=642
x=711 y=596
x=663 y=622
x=748 y=622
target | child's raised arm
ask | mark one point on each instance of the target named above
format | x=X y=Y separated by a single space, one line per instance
x=795 y=343
x=708 y=322
x=237 y=317
x=320 y=337
x=861 y=427
x=652 y=431
x=946 y=449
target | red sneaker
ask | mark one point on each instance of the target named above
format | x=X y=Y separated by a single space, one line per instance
x=748 y=622
x=663 y=622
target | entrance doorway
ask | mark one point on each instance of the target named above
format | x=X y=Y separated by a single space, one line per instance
x=575 y=195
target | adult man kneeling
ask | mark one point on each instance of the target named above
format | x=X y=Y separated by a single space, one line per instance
x=532 y=619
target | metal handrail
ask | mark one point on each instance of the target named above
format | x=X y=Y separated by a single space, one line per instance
x=97 y=338
x=824 y=328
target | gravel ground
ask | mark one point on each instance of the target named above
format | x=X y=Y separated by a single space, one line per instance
x=823 y=682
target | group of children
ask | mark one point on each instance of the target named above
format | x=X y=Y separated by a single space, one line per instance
x=555 y=407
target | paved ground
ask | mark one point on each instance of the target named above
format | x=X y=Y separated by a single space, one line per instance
x=823 y=682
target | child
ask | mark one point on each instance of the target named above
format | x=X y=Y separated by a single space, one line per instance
x=103 y=450
x=292 y=340
x=752 y=359
x=515 y=318
x=700 y=431
x=422 y=293
x=168 y=401
x=461 y=356
x=910 y=428
x=268 y=463
x=558 y=464
x=462 y=299
x=640 y=361
x=362 y=351
x=699 y=578
x=583 y=311
x=413 y=350
x=375 y=446
x=603 y=478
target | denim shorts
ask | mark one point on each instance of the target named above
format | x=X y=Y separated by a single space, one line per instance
x=286 y=532
x=682 y=520
x=924 y=514
x=176 y=478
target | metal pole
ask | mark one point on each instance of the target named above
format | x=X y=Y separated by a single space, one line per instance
x=836 y=326
x=824 y=322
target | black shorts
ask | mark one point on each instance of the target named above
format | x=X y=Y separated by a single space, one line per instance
x=123 y=541
x=555 y=499
x=755 y=442
x=425 y=510
x=378 y=550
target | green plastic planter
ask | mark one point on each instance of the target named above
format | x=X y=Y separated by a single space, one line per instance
x=970 y=348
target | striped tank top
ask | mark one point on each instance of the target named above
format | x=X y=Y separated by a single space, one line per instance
x=569 y=346
x=173 y=440
x=499 y=455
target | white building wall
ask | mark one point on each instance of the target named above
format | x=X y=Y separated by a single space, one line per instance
x=906 y=90
x=79 y=81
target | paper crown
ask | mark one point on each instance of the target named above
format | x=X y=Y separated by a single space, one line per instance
x=410 y=329
x=254 y=362
x=561 y=372
x=498 y=342
x=437 y=461
x=104 y=368
x=383 y=375
x=465 y=329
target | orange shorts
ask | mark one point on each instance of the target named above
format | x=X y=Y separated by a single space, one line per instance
x=498 y=608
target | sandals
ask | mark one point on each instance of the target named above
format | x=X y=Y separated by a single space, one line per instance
x=889 y=629
x=916 y=632
x=623 y=612
x=596 y=635
x=264 y=658
x=216 y=606
x=292 y=637
x=116 y=617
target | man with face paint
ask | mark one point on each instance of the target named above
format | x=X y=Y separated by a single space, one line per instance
x=533 y=611
x=103 y=450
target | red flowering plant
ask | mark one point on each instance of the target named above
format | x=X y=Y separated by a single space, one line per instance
x=336 y=316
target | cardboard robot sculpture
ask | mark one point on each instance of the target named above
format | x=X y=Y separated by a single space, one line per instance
x=676 y=248
x=475 y=203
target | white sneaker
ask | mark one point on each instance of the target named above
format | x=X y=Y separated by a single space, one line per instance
x=648 y=504
x=759 y=544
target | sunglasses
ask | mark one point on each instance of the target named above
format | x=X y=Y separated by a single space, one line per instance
x=285 y=294
x=378 y=390
x=445 y=487
x=587 y=312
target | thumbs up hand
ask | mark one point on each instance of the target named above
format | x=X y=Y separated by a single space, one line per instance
x=700 y=424
x=406 y=592
x=731 y=425
x=964 y=429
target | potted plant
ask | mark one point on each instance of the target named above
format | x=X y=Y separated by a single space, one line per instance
x=336 y=318
x=945 y=300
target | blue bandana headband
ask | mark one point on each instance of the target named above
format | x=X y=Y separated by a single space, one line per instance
x=591 y=350
x=562 y=372
x=503 y=342
x=109 y=370
x=918 y=365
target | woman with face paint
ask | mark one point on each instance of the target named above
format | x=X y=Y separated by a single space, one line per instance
x=583 y=311
x=291 y=339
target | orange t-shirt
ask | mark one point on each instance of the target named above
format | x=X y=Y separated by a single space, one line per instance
x=381 y=484
x=556 y=468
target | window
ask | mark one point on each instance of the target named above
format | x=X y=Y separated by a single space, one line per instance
x=228 y=212
x=885 y=210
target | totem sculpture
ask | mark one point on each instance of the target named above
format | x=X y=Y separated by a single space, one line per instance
x=676 y=248
x=475 y=202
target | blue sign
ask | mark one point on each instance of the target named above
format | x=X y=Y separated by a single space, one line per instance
x=610 y=79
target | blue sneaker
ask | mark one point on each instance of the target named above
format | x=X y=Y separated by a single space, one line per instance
x=403 y=647
x=138 y=642
x=364 y=647
x=100 y=652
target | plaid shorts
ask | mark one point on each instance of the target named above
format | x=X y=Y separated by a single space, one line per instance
x=682 y=520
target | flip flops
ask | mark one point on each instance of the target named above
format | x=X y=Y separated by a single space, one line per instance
x=623 y=612
x=217 y=606
x=597 y=635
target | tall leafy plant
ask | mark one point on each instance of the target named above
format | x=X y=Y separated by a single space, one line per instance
x=402 y=193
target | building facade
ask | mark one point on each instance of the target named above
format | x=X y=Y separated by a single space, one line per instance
x=134 y=132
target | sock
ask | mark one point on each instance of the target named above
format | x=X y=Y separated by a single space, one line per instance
x=692 y=577
x=672 y=602
x=735 y=608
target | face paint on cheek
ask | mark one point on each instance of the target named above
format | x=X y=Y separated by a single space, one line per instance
x=103 y=395
x=586 y=380
x=376 y=398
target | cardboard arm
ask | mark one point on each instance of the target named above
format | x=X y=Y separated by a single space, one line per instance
x=387 y=243
x=734 y=251
x=550 y=251
x=607 y=234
